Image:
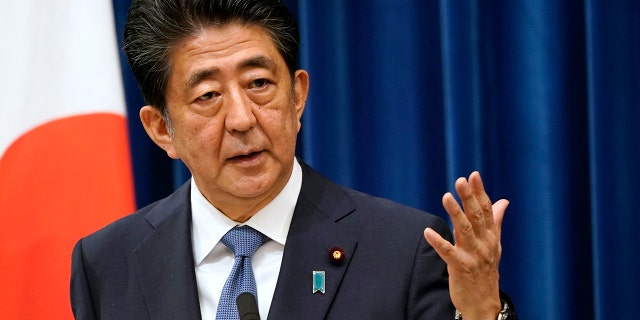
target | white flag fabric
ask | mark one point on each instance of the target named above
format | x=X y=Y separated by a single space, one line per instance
x=65 y=168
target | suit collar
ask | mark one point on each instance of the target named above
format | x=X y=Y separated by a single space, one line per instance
x=164 y=260
x=312 y=233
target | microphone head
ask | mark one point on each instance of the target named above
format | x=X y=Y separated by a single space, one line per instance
x=247 y=307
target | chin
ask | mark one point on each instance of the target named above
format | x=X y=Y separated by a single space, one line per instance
x=254 y=187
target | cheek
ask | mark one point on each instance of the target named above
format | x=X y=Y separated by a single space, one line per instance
x=282 y=124
x=287 y=134
x=197 y=136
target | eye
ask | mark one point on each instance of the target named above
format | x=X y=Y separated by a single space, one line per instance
x=259 y=83
x=207 y=96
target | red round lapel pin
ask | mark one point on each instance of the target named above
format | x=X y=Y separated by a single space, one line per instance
x=336 y=255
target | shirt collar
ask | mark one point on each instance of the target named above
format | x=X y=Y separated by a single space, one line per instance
x=209 y=224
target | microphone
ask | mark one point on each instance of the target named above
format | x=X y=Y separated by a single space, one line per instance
x=247 y=307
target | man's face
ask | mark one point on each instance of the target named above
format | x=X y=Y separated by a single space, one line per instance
x=235 y=115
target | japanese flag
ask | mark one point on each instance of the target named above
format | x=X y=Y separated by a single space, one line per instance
x=65 y=167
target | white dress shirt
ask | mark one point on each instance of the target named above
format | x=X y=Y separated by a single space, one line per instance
x=213 y=260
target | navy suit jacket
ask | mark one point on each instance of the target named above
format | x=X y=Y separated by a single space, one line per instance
x=141 y=266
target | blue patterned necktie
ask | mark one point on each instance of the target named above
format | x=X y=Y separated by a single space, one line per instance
x=243 y=241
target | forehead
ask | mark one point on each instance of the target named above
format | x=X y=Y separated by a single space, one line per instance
x=222 y=49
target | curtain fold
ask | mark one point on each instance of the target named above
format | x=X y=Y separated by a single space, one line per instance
x=541 y=97
x=518 y=113
x=365 y=113
x=613 y=51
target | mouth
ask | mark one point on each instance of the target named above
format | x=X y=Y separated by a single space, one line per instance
x=245 y=158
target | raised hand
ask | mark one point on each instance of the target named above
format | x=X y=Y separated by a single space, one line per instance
x=473 y=261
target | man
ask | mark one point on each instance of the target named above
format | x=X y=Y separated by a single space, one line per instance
x=225 y=95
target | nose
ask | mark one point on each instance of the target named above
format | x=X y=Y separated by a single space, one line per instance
x=240 y=117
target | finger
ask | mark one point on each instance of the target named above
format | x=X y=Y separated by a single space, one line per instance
x=443 y=247
x=499 y=208
x=462 y=228
x=472 y=208
x=477 y=188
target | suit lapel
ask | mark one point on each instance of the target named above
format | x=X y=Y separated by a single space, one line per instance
x=165 y=261
x=312 y=234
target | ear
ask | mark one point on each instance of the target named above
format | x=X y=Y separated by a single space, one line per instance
x=156 y=127
x=300 y=92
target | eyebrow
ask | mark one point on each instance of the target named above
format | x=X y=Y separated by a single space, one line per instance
x=258 y=62
x=262 y=62
x=200 y=75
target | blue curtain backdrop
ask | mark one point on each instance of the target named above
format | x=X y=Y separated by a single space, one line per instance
x=542 y=97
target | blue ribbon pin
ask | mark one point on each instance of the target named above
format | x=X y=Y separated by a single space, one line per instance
x=318 y=281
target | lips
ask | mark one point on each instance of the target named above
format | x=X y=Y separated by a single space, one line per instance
x=245 y=156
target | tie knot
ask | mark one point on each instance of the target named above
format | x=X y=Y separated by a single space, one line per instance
x=243 y=241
